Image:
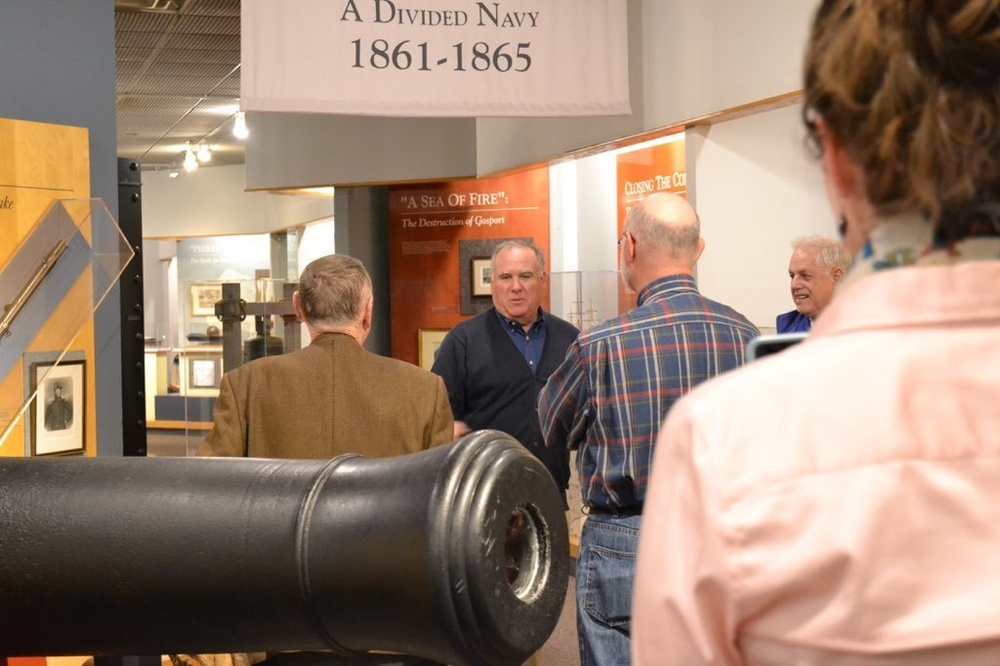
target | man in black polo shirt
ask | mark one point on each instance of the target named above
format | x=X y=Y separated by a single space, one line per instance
x=495 y=363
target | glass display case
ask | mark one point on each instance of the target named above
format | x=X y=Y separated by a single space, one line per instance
x=226 y=324
x=226 y=301
x=50 y=288
x=584 y=298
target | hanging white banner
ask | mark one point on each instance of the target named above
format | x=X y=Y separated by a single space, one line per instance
x=436 y=57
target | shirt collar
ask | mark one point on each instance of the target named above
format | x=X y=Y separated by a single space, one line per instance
x=511 y=324
x=907 y=240
x=667 y=286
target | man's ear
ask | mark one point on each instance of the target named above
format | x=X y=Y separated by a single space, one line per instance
x=629 y=241
x=366 y=317
x=697 y=252
x=837 y=274
x=297 y=306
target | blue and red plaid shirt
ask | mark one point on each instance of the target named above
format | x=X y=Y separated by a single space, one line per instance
x=609 y=396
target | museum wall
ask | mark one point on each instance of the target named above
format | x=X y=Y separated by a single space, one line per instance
x=755 y=186
x=757 y=189
x=213 y=201
x=59 y=67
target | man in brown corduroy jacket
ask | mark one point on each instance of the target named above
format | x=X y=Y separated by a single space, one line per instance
x=333 y=396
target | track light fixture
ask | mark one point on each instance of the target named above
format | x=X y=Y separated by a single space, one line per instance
x=197 y=152
x=240 y=130
x=190 y=161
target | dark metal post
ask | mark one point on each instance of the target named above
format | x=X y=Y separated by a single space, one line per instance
x=132 y=328
x=232 y=313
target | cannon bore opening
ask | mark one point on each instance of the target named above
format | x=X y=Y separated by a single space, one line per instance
x=526 y=549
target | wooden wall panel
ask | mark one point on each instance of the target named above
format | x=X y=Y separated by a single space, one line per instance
x=41 y=163
x=428 y=225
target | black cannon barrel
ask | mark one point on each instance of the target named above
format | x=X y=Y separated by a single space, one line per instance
x=458 y=554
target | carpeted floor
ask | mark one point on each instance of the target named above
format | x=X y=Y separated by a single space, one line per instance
x=561 y=648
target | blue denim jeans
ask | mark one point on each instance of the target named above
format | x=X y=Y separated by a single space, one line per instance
x=605 y=571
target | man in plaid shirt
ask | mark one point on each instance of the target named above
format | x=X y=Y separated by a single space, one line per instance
x=611 y=393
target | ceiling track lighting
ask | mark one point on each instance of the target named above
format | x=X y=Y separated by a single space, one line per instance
x=240 y=130
x=190 y=161
x=200 y=152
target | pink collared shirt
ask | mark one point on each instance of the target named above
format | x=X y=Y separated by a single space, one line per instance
x=839 y=502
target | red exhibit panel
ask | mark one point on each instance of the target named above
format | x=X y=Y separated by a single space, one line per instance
x=660 y=168
x=440 y=238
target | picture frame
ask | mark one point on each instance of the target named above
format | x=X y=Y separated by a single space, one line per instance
x=480 y=276
x=428 y=342
x=204 y=372
x=203 y=297
x=58 y=411
x=468 y=250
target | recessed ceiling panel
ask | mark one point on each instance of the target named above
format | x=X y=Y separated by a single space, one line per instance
x=177 y=79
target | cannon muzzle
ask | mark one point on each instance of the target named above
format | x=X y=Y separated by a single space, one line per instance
x=458 y=554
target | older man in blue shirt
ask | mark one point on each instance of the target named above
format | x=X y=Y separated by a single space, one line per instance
x=816 y=266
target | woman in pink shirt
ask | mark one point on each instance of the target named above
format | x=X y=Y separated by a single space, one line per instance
x=839 y=502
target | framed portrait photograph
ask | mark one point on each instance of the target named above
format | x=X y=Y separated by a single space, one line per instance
x=203 y=299
x=57 y=412
x=204 y=372
x=428 y=342
x=482 y=274
x=474 y=274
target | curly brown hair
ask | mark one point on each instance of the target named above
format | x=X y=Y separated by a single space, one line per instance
x=911 y=89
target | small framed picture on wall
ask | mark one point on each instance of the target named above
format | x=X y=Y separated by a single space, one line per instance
x=57 y=423
x=475 y=275
x=428 y=342
x=482 y=275
x=203 y=299
x=204 y=372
